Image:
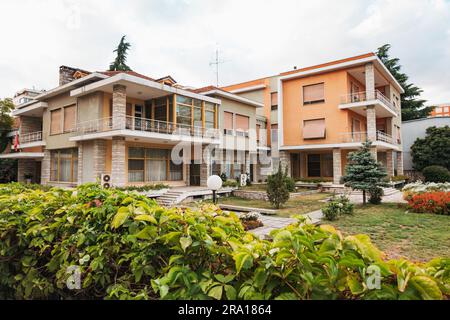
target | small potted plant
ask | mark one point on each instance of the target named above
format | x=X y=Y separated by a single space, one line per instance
x=28 y=177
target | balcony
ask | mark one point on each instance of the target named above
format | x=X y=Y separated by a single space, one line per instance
x=359 y=137
x=142 y=128
x=29 y=140
x=358 y=102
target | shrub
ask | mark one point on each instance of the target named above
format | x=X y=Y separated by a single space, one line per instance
x=436 y=174
x=312 y=180
x=277 y=190
x=337 y=206
x=127 y=247
x=230 y=183
x=250 y=220
x=290 y=184
x=399 y=178
x=375 y=195
x=223 y=176
x=430 y=202
x=420 y=187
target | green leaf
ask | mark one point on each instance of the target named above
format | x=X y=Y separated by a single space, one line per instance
x=185 y=242
x=428 y=288
x=120 y=217
x=216 y=292
x=365 y=247
x=148 y=233
x=243 y=260
x=230 y=292
x=355 y=285
x=146 y=217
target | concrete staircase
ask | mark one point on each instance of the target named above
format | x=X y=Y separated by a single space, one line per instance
x=171 y=197
x=387 y=191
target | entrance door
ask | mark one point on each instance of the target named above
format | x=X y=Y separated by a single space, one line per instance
x=194 y=174
x=37 y=174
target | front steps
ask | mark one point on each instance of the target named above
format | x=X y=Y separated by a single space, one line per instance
x=171 y=197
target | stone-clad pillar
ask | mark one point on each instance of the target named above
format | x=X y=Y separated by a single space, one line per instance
x=45 y=167
x=119 y=106
x=80 y=163
x=400 y=163
x=337 y=166
x=371 y=124
x=285 y=160
x=100 y=158
x=118 y=172
x=370 y=81
x=205 y=166
x=390 y=163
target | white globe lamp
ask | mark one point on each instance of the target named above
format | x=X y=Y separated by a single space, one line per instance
x=214 y=183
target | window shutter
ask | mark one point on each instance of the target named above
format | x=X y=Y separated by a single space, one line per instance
x=69 y=118
x=55 y=121
x=313 y=93
x=314 y=129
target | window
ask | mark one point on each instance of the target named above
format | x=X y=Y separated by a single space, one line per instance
x=151 y=165
x=55 y=121
x=242 y=125
x=313 y=165
x=210 y=115
x=274 y=133
x=313 y=94
x=228 y=122
x=64 y=165
x=314 y=129
x=399 y=136
x=258 y=129
x=70 y=114
x=274 y=100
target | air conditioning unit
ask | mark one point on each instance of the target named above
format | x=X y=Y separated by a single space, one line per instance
x=105 y=180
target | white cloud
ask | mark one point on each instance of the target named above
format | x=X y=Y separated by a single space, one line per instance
x=255 y=38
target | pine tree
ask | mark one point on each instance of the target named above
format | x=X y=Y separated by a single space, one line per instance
x=6 y=121
x=412 y=106
x=119 y=63
x=277 y=190
x=363 y=172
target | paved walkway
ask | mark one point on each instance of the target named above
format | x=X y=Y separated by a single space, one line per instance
x=396 y=197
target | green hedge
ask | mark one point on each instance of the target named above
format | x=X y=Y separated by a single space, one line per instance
x=127 y=247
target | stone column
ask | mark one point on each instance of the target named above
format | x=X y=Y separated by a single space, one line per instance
x=390 y=163
x=373 y=151
x=118 y=173
x=100 y=158
x=371 y=124
x=370 y=81
x=205 y=166
x=119 y=106
x=400 y=163
x=45 y=167
x=337 y=166
x=285 y=160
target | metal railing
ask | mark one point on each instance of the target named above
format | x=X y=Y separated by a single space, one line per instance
x=30 y=137
x=363 y=136
x=362 y=96
x=144 y=125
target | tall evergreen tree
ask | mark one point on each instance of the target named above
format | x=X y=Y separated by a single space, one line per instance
x=6 y=121
x=412 y=106
x=363 y=172
x=119 y=64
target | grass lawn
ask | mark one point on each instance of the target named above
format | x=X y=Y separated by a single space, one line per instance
x=296 y=205
x=263 y=187
x=418 y=237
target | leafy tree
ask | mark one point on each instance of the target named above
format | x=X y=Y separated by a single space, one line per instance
x=433 y=149
x=8 y=170
x=6 y=121
x=277 y=190
x=412 y=106
x=363 y=172
x=119 y=64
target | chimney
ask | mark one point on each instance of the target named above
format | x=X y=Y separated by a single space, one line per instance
x=66 y=74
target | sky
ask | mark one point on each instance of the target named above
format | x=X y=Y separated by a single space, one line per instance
x=254 y=38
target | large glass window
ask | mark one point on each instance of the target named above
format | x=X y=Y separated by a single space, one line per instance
x=210 y=115
x=64 y=165
x=152 y=165
x=313 y=165
x=320 y=165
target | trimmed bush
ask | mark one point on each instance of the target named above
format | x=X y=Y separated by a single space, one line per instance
x=375 y=195
x=436 y=174
x=337 y=206
x=127 y=247
x=277 y=190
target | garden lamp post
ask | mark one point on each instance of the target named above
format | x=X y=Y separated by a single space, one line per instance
x=214 y=183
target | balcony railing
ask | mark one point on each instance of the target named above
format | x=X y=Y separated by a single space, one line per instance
x=30 y=137
x=144 y=125
x=347 y=137
x=362 y=96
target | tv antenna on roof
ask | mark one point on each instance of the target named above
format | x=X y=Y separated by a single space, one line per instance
x=217 y=62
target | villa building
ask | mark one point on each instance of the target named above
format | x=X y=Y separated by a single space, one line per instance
x=134 y=127
x=321 y=113
x=441 y=110
x=126 y=125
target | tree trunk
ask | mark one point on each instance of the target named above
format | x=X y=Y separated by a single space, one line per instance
x=364 y=196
